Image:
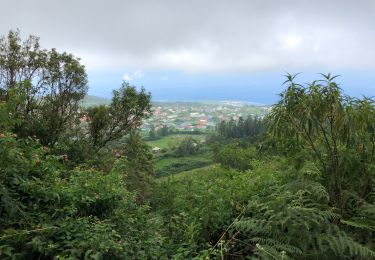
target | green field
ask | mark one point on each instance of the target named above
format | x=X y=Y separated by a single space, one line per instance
x=194 y=173
x=170 y=141
x=165 y=166
x=166 y=163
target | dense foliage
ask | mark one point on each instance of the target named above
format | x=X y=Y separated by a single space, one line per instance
x=49 y=211
x=137 y=165
x=234 y=156
x=63 y=193
x=43 y=87
x=155 y=134
x=250 y=129
x=337 y=132
x=187 y=146
x=308 y=194
x=79 y=183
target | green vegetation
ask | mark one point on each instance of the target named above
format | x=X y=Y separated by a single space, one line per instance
x=282 y=205
x=63 y=193
x=108 y=123
x=196 y=172
x=90 y=100
x=179 y=117
x=49 y=211
x=79 y=183
x=170 y=165
x=33 y=109
x=234 y=156
x=171 y=141
x=180 y=152
x=251 y=128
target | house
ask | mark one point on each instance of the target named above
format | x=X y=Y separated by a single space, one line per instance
x=156 y=149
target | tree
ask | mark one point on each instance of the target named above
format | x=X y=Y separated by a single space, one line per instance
x=99 y=122
x=48 y=211
x=152 y=133
x=234 y=156
x=67 y=81
x=252 y=129
x=187 y=146
x=124 y=114
x=336 y=130
x=163 y=131
x=50 y=85
x=137 y=166
x=21 y=62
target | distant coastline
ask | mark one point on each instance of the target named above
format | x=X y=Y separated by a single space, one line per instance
x=91 y=100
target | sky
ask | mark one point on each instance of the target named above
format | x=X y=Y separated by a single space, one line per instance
x=206 y=49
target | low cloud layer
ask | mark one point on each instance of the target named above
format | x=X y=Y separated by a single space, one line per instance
x=202 y=36
x=138 y=74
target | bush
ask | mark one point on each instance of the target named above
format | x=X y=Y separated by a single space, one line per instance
x=234 y=156
x=188 y=146
x=48 y=211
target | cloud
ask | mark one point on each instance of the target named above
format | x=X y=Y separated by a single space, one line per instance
x=165 y=78
x=203 y=36
x=138 y=74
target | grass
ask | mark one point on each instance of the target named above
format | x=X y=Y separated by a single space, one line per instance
x=168 y=142
x=194 y=173
x=170 y=165
x=166 y=164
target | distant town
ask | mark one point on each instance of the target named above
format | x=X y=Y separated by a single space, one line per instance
x=191 y=115
x=199 y=115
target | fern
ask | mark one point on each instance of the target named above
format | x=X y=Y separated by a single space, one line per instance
x=340 y=244
x=298 y=223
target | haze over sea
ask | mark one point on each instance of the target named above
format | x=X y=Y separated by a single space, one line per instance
x=206 y=50
x=262 y=87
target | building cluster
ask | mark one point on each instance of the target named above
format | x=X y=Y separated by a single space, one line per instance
x=182 y=116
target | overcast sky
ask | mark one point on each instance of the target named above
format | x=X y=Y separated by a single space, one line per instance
x=167 y=43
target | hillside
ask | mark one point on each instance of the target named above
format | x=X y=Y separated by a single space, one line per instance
x=91 y=100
